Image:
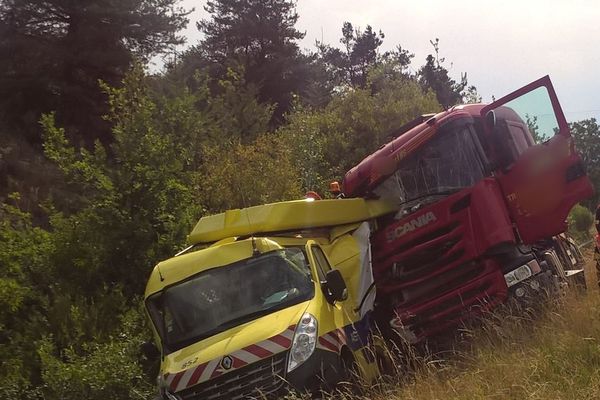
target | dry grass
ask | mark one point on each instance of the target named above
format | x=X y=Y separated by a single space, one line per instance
x=555 y=355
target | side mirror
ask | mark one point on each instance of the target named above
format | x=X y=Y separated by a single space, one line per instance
x=150 y=350
x=335 y=286
x=490 y=120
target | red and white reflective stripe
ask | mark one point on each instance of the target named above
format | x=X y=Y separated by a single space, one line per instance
x=332 y=341
x=242 y=357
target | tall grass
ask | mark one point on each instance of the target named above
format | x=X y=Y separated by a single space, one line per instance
x=547 y=354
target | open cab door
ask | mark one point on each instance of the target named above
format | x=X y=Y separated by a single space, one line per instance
x=534 y=159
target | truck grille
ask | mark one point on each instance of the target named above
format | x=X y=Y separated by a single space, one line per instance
x=262 y=379
x=430 y=265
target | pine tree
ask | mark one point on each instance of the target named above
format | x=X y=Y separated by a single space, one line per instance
x=257 y=37
x=360 y=53
x=54 y=52
x=434 y=76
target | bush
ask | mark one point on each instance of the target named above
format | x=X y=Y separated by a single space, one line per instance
x=580 y=221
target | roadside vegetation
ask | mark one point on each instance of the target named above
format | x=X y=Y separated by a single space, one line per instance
x=556 y=356
x=105 y=167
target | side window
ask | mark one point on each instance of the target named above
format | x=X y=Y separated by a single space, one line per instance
x=322 y=264
x=511 y=138
x=519 y=138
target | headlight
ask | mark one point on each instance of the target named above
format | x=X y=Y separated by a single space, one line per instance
x=523 y=272
x=305 y=341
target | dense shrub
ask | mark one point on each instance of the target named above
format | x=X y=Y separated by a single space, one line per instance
x=580 y=221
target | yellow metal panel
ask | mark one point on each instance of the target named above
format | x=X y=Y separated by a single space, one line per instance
x=179 y=268
x=343 y=254
x=286 y=216
x=233 y=339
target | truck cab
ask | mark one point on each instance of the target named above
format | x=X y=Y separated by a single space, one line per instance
x=268 y=299
x=480 y=204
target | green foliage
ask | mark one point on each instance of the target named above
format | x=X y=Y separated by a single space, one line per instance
x=351 y=65
x=75 y=45
x=533 y=127
x=107 y=370
x=586 y=134
x=126 y=219
x=580 y=221
x=434 y=76
x=260 y=37
x=236 y=110
x=24 y=269
x=69 y=294
x=238 y=175
x=326 y=143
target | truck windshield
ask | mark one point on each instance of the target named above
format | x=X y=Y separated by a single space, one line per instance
x=447 y=163
x=223 y=297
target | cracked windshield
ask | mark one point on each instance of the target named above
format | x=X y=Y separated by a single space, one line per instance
x=213 y=300
x=447 y=163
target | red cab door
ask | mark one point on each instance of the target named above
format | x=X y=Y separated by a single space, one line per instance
x=535 y=161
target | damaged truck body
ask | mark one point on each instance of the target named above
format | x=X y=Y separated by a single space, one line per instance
x=268 y=298
x=461 y=211
x=481 y=208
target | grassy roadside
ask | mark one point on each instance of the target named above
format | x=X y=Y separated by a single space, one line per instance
x=555 y=356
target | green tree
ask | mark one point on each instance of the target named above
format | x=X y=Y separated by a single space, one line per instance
x=240 y=175
x=70 y=294
x=24 y=296
x=126 y=218
x=360 y=53
x=258 y=37
x=326 y=143
x=587 y=140
x=54 y=52
x=434 y=76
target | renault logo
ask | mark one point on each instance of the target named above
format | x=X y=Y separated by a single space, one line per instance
x=227 y=362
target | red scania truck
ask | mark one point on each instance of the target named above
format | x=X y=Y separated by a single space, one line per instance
x=481 y=207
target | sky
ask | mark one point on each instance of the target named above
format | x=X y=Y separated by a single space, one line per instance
x=501 y=45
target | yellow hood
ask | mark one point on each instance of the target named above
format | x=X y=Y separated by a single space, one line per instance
x=232 y=349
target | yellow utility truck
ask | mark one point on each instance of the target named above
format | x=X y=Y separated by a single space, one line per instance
x=266 y=299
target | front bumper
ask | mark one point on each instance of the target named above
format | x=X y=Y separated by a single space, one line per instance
x=267 y=379
x=322 y=371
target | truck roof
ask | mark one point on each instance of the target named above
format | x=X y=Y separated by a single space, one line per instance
x=382 y=163
x=177 y=269
x=286 y=216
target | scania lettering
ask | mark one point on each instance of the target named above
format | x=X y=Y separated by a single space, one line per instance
x=401 y=230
